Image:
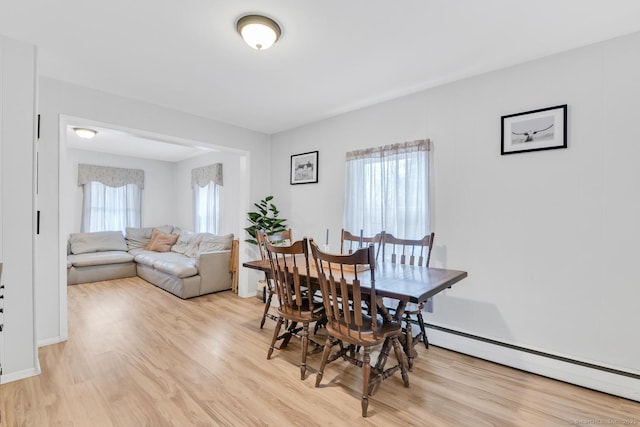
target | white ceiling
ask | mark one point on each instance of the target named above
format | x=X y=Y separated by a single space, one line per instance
x=334 y=55
x=124 y=143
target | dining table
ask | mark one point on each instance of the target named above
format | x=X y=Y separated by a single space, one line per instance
x=401 y=282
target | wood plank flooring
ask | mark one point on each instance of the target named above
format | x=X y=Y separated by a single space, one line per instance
x=139 y=356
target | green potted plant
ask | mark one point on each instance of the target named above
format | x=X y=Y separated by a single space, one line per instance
x=265 y=219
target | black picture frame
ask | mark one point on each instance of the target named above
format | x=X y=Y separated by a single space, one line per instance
x=304 y=168
x=536 y=130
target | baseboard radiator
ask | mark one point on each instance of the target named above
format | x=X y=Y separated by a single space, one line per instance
x=607 y=379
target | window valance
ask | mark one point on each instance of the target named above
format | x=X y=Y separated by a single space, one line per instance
x=400 y=148
x=204 y=175
x=112 y=177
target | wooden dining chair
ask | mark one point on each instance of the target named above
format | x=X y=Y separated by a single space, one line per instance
x=350 y=242
x=292 y=285
x=413 y=252
x=349 y=323
x=284 y=237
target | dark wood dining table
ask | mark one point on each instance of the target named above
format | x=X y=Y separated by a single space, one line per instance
x=401 y=282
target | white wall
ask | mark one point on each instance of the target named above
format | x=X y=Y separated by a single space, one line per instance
x=18 y=352
x=549 y=238
x=58 y=100
x=158 y=196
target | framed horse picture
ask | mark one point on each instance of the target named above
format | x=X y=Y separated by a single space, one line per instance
x=304 y=168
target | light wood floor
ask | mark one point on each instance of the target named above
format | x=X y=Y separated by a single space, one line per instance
x=138 y=356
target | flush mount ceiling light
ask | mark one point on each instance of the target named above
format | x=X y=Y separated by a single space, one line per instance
x=258 y=31
x=85 y=133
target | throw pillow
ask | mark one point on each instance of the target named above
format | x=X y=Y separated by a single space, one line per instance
x=161 y=242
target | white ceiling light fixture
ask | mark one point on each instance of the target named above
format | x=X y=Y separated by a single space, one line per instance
x=258 y=31
x=85 y=133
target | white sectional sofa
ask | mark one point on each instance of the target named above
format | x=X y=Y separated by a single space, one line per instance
x=184 y=263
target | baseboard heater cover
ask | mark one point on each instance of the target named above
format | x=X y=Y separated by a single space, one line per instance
x=608 y=380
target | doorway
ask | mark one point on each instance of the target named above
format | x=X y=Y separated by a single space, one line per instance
x=120 y=146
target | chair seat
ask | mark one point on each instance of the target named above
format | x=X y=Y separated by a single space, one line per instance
x=365 y=336
x=303 y=315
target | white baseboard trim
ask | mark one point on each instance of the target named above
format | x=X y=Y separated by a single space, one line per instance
x=49 y=341
x=584 y=376
x=20 y=375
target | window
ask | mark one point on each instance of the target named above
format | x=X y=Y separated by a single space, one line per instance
x=112 y=197
x=206 y=182
x=110 y=208
x=205 y=208
x=386 y=188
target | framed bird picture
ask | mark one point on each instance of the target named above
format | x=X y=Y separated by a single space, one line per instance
x=544 y=129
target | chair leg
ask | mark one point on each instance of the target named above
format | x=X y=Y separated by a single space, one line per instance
x=325 y=356
x=305 y=346
x=423 y=330
x=267 y=305
x=291 y=330
x=275 y=336
x=366 y=374
x=397 y=348
x=384 y=355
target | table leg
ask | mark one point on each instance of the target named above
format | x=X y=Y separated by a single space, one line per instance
x=408 y=344
x=407 y=341
x=400 y=310
x=383 y=311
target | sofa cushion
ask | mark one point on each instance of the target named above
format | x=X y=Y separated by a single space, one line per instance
x=99 y=258
x=167 y=229
x=137 y=251
x=148 y=258
x=168 y=262
x=181 y=268
x=192 y=250
x=138 y=237
x=210 y=243
x=187 y=243
x=161 y=242
x=97 y=242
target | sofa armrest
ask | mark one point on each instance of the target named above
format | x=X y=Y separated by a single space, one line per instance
x=213 y=268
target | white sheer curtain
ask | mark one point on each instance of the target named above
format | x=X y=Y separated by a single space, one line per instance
x=206 y=182
x=206 y=208
x=111 y=208
x=387 y=188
